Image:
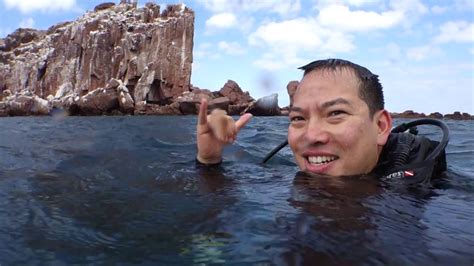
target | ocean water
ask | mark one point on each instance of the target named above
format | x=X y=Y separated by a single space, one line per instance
x=126 y=190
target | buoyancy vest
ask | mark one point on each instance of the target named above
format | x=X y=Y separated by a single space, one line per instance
x=407 y=156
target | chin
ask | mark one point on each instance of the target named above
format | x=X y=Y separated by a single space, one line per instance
x=312 y=174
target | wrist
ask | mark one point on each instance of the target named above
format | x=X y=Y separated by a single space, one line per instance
x=212 y=160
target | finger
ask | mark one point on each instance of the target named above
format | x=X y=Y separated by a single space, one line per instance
x=230 y=139
x=243 y=120
x=230 y=128
x=202 y=119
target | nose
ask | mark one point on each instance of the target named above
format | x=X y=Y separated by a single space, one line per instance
x=316 y=132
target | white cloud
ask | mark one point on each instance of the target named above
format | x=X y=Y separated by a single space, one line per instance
x=337 y=42
x=356 y=15
x=287 y=42
x=456 y=31
x=206 y=50
x=230 y=48
x=269 y=62
x=218 y=6
x=27 y=23
x=342 y=18
x=273 y=61
x=439 y=9
x=202 y=51
x=357 y=3
x=409 y=6
x=465 y=5
x=27 y=6
x=281 y=7
x=221 y=21
x=422 y=52
x=286 y=8
x=286 y=34
x=412 y=11
x=471 y=51
x=361 y=2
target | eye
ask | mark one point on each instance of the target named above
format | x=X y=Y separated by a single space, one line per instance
x=337 y=113
x=296 y=118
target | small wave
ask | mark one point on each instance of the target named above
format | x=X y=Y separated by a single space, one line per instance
x=174 y=143
x=465 y=151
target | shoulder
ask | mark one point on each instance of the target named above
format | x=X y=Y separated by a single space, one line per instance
x=409 y=156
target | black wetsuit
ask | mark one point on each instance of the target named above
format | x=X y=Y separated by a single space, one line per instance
x=404 y=156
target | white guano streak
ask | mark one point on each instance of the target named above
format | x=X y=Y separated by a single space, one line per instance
x=183 y=47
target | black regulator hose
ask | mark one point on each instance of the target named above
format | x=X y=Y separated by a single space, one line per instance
x=275 y=150
x=428 y=121
x=400 y=128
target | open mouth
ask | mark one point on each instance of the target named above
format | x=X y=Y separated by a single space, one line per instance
x=320 y=160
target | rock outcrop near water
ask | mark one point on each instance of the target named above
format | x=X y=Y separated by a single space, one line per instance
x=265 y=106
x=117 y=58
x=436 y=115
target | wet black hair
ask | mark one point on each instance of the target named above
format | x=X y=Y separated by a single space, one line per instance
x=370 y=89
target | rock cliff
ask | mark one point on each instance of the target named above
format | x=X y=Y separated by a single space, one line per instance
x=124 y=55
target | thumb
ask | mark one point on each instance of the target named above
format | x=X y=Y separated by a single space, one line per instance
x=243 y=120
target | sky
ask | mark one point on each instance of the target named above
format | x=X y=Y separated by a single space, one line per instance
x=423 y=51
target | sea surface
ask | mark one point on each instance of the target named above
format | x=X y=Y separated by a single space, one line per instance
x=126 y=190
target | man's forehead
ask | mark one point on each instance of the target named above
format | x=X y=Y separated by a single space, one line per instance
x=345 y=74
x=323 y=104
x=329 y=81
x=325 y=85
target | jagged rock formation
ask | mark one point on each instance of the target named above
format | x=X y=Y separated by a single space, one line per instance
x=459 y=116
x=454 y=116
x=230 y=98
x=123 y=55
x=291 y=89
x=265 y=106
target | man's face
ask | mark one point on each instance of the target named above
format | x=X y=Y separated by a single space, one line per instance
x=331 y=131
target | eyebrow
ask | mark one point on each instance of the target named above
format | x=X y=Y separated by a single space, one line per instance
x=335 y=102
x=296 y=109
x=324 y=105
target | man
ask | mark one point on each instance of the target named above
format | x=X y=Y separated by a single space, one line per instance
x=338 y=125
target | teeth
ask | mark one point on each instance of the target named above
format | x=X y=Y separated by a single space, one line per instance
x=321 y=159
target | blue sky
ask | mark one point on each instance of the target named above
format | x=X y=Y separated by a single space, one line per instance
x=423 y=51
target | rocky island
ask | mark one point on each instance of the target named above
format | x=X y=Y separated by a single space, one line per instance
x=119 y=59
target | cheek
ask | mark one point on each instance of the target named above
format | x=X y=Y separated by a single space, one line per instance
x=291 y=139
x=294 y=138
x=348 y=137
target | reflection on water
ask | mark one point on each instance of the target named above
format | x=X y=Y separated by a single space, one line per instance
x=107 y=190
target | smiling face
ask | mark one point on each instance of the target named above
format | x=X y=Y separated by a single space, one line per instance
x=331 y=130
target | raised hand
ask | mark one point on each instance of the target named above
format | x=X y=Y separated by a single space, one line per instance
x=214 y=131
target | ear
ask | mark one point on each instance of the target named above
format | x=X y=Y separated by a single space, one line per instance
x=383 y=121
